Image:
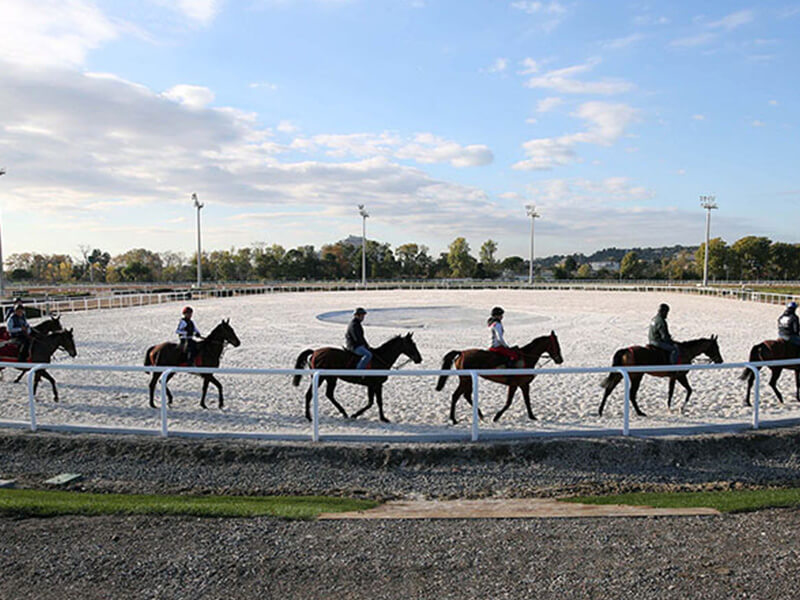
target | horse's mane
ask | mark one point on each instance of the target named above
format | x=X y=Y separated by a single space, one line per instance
x=696 y=341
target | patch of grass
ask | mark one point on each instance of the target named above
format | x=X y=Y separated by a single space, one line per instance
x=723 y=501
x=45 y=503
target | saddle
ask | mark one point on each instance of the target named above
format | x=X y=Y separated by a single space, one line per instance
x=354 y=358
x=790 y=350
x=185 y=363
x=665 y=355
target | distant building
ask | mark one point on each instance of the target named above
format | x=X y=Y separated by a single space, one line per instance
x=609 y=265
x=352 y=240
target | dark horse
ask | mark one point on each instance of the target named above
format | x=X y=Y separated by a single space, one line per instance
x=209 y=352
x=9 y=352
x=773 y=350
x=648 y=355
x=43 y=346
x=485 y=359
x=383 y=357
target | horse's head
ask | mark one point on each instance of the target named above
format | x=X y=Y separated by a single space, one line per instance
x=554 y=348
x=66 y=341
x=51 y=324
x=712 y=350
x=409 y=348
x=227 y=333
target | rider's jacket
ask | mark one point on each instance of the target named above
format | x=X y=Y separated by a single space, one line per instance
x=659 y=332
x=16 y=325
x=788 y=325
x=355 y=335
x=186 y=329
x=497 y=335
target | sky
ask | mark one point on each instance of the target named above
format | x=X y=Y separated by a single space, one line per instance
x=444 y=117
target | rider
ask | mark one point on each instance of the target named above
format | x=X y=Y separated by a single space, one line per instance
x=187 y=331
x=354 y=338
x=499 y=345
x=659 y=334
x=19 y=331
x=789 y=325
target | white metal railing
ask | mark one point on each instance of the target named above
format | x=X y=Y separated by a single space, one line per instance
x=475 y=433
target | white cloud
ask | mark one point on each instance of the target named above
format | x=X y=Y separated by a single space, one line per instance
x=548 y=104
x=498 y=66
x=201 y=12
x=263 y=85
x=564 y=81
x=529 y=66
x=725 y=24
x=733 y=20
x=606 y=123
x=694 y=40
x=191 y=96
x=771 y=103
x=757 y=123
x=286 y=127
x=551 y=13
x=699 y=117
x=51 y=32
x=624 y=42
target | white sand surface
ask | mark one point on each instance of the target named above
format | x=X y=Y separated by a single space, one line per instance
x=274 y=329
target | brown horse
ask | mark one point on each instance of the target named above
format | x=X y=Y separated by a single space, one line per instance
x=209 y=352
x=43 y=346
x=383 y=357
x=475 y=358
x=648 y=355
x=773 y=350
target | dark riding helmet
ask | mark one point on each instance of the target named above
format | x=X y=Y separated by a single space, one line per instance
x=187 y=309
x=19 y=306
x=792 y=305
x=498 y=311
x=359 y=311
x=663 y=308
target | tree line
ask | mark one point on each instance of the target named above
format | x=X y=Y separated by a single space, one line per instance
x=750 y=257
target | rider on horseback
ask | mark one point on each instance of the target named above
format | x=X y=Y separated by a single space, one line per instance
x=187 y=332
x=659 y=334
x=354 y=339
x=499 y=345
x=19 y=331
x=789 y=325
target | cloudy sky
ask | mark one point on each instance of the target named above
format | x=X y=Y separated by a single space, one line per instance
x=444 y=117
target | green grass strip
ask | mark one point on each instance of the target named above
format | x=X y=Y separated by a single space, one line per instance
x=724 y=501
x=45 y=503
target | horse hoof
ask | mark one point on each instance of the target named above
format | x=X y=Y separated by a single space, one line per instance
x=496 y=419
x=385 y=420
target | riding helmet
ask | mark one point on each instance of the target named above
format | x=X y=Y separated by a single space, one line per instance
x=359 y=311
x=792 y=305
x=663 y=308
x=186 y=309
x=498 y=311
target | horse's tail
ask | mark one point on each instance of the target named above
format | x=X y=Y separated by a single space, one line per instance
x=447 y=362
x=756 y=355
x=301 y=363
x=148 y=360
x=612 y=378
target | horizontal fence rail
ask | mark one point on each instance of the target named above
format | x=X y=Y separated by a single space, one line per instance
x=316 y=374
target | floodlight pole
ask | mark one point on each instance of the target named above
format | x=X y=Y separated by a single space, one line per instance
x=364 y=214
x=198 y=206
x=531 y=209
x=2 y=278
x=707 y=202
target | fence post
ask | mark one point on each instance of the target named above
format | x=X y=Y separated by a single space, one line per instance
x=163 y=381
x=474 y=376
x=315 y=406
x=756 y=394
x=626 y=406
x=31 y=399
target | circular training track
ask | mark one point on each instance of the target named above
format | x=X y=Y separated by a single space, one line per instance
x=274 y=329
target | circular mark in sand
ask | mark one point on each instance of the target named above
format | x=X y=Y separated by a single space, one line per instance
x=429 y=317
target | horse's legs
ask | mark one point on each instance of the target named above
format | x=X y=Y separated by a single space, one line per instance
x=683 y=379
x=610 y=383
x=526 y=394
x=773 y=380
x=464 y=384
x=206 y=381
x=309 y=395
x=797 y=384
x=750 y=379
x=21 y=373
x=152 y=386
x=636 y=380
x=52 y=381
x=329 y=393
x=468 y=398
x=211 y=379
x=512 y=388
x=671 y=391
x=379 y=400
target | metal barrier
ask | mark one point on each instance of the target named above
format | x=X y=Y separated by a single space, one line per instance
x=315 y=435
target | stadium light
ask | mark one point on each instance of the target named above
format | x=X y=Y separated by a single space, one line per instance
x=2 y=278
x=364 y=214
x=198 y=206
x=531 y=209
x=707 y=202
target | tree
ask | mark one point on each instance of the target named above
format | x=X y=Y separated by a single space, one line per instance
x=784 y=260
x=461 y=263
x=269 y=262
x=570 y=265
x=753 y=255
x=584 y=271
x=630 y=267
x=488 y=262
x=718 y=259
x=513 y=264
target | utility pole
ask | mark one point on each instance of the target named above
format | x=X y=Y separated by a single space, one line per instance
x=531 y=209
x=198 y=206
x=364 y=214
x=2 y=278
x=707 y=202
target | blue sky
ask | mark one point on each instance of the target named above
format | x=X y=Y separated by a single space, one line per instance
x=445 y=118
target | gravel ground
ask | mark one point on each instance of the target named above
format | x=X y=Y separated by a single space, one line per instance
x=749 y=555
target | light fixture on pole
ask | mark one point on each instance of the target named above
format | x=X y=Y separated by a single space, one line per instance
x=198 y=206
x=2 y=279
x=364 y=214
x=707 y=202
x=531 y=209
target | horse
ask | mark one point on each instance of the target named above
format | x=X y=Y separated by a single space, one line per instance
x=209 y=352
x=383 y=357
x=773 y=350
x=9 y=350
x=484 y=359
x=43 y=346
x=649 y=355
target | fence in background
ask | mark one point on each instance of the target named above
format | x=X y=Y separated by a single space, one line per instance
x=475 y=432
